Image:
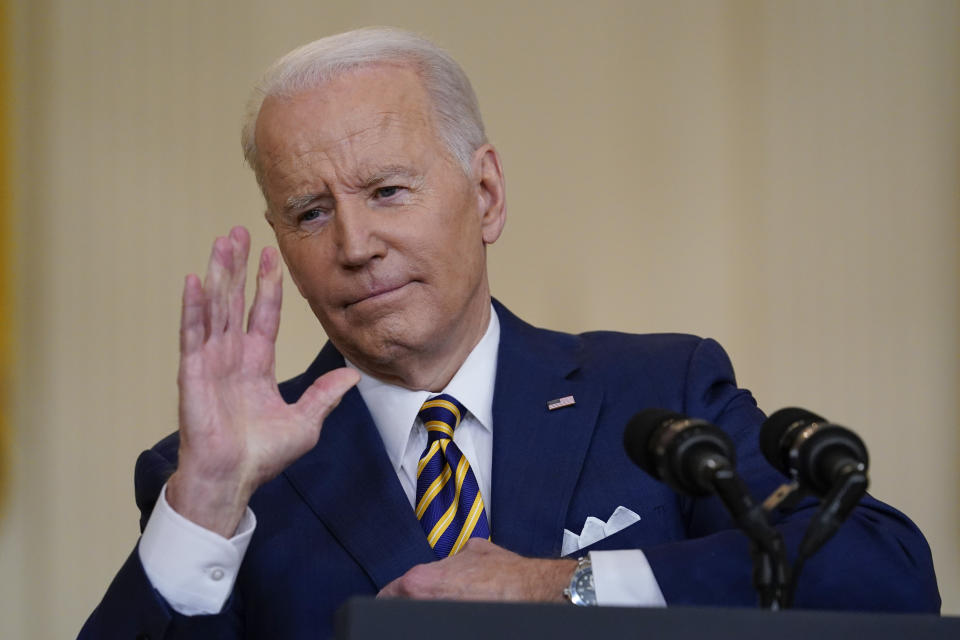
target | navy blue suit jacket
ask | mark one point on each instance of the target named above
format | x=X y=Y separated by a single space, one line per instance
x=337 y=523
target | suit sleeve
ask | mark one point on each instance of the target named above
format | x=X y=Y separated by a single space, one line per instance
x=878 y=560
x=131 y=607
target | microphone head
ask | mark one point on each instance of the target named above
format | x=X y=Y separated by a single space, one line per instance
x=674 y=449
x=775 y=427
x=638 y=436
x=807 y=447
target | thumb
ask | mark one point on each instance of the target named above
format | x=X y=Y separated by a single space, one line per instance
x=326 y=392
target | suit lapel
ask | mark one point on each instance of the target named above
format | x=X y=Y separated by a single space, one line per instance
x=349 y=482
x=537 y=453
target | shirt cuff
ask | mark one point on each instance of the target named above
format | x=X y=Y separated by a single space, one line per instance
x=193 y=568
x=624 y=579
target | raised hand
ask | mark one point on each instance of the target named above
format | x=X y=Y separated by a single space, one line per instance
x=236 y=431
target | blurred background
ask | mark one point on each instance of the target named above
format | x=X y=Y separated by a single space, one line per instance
x=783 y=176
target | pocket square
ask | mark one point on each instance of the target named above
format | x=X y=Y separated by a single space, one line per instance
x=595 y=529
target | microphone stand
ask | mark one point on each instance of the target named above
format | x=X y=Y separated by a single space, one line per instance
x=849 y=487
x=770 y=570
x=834 y=509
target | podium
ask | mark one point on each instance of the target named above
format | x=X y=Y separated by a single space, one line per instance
x=370 y=619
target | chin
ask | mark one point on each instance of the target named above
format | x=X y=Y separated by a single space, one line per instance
x=385 y=341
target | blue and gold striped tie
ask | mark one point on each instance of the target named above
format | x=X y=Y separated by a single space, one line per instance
x=449 y=504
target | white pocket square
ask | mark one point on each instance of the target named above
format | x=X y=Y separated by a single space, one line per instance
x=595 y=529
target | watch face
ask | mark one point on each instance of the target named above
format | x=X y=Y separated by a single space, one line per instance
x=585 y=583
x=582 y=589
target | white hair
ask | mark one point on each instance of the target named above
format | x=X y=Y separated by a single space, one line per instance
x=457 y=114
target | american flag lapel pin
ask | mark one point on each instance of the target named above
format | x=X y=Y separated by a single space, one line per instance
x=560 y=403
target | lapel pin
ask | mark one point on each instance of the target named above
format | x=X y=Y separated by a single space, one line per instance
x=560 y=403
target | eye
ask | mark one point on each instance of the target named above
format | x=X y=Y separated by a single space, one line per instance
x=387 y=192
x=312 y=214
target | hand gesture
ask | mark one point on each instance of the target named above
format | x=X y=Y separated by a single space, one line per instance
x=236 y=431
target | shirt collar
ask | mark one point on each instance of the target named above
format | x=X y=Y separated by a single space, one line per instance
x=394 y=409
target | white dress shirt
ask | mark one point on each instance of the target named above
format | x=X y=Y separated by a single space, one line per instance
x=195 y=569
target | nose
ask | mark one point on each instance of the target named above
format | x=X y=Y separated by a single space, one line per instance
x=357 y=234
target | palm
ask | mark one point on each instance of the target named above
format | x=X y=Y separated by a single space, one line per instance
x=236 y=430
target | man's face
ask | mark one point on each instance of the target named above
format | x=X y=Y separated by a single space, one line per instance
x=381 y=230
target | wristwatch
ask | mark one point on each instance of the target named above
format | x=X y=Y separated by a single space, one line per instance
x=581 y=591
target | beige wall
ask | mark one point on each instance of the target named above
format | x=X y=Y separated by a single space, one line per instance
x=780 y=175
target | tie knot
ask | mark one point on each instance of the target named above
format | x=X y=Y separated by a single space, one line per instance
x=441 y=414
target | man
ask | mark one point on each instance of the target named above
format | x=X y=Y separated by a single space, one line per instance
x=273 y=505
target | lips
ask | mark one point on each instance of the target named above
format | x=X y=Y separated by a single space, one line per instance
x=378 y=291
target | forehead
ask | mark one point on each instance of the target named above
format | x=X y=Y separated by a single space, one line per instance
x=379 y=106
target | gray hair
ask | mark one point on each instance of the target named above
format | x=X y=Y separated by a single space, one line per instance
x=457 y=114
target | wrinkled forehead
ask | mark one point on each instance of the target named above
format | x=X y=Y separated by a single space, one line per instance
x=381 y=100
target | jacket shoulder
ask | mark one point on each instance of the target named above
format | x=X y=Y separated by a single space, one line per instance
x=615 y=346
x=684 y=372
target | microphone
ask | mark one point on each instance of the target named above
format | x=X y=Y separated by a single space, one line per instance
x=825 y=459
x=697 y=458
x=817 y=453
x=685 y=453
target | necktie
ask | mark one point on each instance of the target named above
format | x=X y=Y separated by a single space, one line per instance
x=449 y=504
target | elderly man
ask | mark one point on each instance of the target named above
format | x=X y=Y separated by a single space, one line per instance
x=474 y=447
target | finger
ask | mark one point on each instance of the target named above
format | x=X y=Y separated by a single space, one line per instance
x=215 y=286
x=191 y=316
x=265 y=311
x=325 y=393
x=420 y=581
x=392 y=590
x=240 y=249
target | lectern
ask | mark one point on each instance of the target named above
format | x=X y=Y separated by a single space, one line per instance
x=370 y=619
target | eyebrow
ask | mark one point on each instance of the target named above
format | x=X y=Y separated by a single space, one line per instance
x=382 y=174
x=379 y=176
x=294 y=203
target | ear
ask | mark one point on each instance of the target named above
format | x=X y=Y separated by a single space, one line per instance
x=491 y=192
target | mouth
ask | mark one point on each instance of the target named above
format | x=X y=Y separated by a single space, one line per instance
x=379 y=293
